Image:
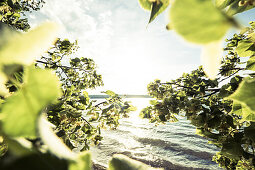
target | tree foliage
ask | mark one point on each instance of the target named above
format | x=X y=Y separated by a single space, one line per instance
x=221 y=108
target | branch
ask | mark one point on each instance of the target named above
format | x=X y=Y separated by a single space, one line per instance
x=86 y=121
x=65 y=67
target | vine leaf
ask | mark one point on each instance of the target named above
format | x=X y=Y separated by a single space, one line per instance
x=158 y=7
x=211 y=58
x=198 y=21
x=245 y=48
x=21 y=110
x=124 y=163
x=245 y=94
x=14 y=50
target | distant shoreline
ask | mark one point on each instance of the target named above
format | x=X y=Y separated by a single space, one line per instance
x=121 y=95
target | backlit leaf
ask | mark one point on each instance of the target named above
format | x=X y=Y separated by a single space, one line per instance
x=158 y=7
x=145 y=4
x=38 y=40
x=21 y=110
x=245 y=48
x=251 y=64
x=245 y=94
x=198 y=21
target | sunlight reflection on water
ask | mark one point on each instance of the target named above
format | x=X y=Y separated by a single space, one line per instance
x=163 y=145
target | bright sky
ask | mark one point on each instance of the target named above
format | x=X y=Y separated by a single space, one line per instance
x=114 y=33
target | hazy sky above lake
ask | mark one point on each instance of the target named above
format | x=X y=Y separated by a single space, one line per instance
x=114 y=33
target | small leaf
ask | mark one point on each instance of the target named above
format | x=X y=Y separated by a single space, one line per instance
x=245 y=48
x=245 y=93
x=122 y=162
x=110 y=93
x=21 y=110
x=211 y=58
x=145 y=4
x=198 y=21
x=24 y=48
x=158 y=7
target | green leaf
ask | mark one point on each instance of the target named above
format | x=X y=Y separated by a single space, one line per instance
x=82 y=163
x=244 y=111
x=232 y=150
x=198 y=21
x=251 y=63
x=110 y=93
x=245 y=48
x=125 y=163
x=235 y=8
x=245 y=93
x=145 y=4
x=23 y=48
x=158 y=7
x=223 y=3
x=21 y=110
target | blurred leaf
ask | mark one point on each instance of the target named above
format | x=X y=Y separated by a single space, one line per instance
x=245 y=48
x=198 y=21
x=83 y=162
x=245 y=93
x=54 y=143
x=21 y=110
x=158 y=7
x=43 y=161
x=122 y=162
x=23 y=48
x=211 y=58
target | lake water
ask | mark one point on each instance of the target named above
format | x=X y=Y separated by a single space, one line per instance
x=170 y=146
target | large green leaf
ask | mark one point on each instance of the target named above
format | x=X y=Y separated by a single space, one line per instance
x=158 y=7
x=82 y=163
x=198 y=21
x=23 y=48
x=245 y=94
x=245 y=48
x=21 y=110
x=124 y=163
